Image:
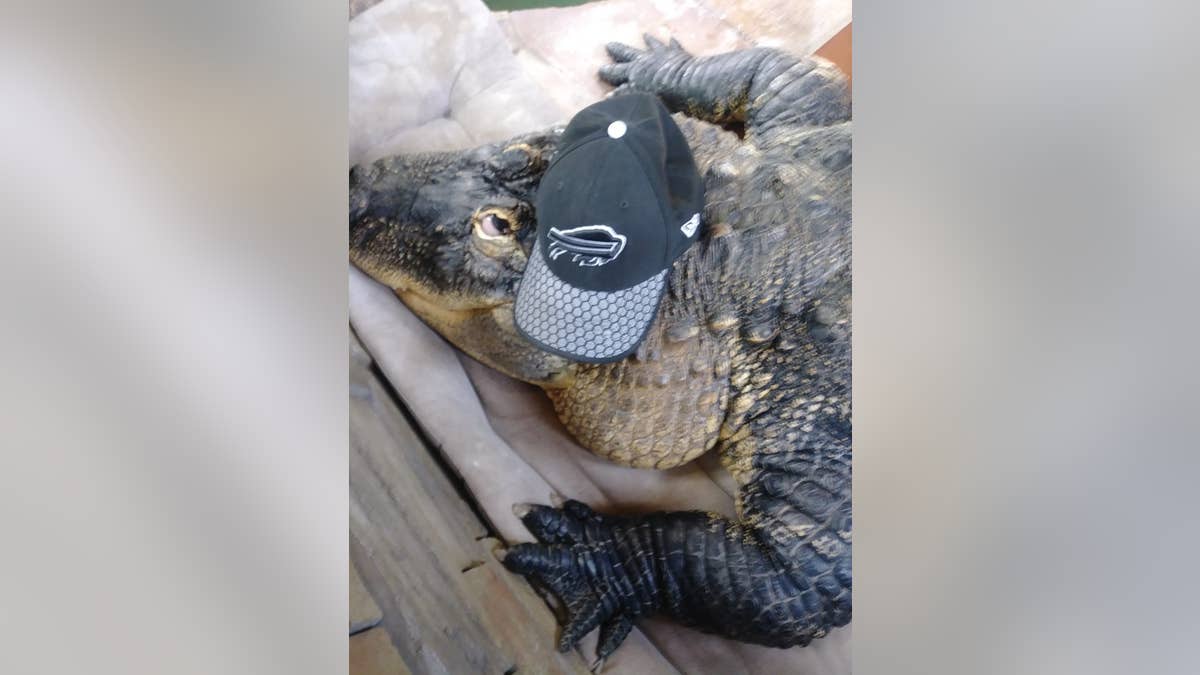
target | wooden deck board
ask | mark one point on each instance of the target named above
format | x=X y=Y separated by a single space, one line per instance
x=372 y=653
x=364 y=613
x=422 y=554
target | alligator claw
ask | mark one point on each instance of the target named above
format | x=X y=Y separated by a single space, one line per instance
x=564 y=561
x=612 y=634
x=632 y=68
x=556 y=568
x=581 y=620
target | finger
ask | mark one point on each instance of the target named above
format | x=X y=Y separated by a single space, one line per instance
x=653 y=43
x=621 y=52
x=612 y=634
x=549 y=525
x=581 y=623
x=623 y=89
x=580 y=511
x=534 y=559
x=615 y=73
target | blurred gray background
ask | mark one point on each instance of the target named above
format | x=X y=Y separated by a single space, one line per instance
x=174 y=337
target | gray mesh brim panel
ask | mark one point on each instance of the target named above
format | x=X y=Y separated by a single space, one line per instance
x=585 y=325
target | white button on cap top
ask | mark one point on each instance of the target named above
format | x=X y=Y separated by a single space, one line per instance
x=616 y=129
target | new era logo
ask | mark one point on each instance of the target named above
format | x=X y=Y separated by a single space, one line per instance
x=689 y=228
x=589 y=246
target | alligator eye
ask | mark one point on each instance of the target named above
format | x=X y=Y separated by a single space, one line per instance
x=514 y=159
x=494 y=226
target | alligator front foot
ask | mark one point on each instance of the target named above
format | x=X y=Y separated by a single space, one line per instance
x=700 y=569
x=636 y=69
x=580 y=560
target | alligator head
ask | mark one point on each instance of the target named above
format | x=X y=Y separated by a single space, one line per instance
x=450 y=233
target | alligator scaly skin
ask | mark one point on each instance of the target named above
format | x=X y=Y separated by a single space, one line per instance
x=750 y=354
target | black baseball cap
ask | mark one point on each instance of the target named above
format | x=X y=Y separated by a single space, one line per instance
x=619 y=203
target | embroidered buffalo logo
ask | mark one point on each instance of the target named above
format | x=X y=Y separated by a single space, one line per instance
x=689 y=228
x=589 y=246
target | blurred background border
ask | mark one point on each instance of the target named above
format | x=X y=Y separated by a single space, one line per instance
x=174 y=337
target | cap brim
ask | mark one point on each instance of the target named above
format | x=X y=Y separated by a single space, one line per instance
x=589 y=326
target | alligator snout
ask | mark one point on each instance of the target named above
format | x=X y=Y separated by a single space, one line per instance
x=360 y=195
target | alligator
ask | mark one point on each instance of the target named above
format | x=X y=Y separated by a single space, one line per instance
x=749 y=354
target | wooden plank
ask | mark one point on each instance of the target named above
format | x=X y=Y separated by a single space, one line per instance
x=511 y=596
x=364 y=613
x=446 y=603
x=372 y=653
x=429 y=378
